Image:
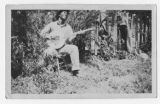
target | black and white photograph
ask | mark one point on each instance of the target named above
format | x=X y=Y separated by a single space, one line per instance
x=70 y=50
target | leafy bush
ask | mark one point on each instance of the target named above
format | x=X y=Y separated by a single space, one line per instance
x=29 y=46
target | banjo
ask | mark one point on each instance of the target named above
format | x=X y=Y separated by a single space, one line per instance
x=57 y=40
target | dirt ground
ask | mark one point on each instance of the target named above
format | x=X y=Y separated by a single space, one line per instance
x=115 y=76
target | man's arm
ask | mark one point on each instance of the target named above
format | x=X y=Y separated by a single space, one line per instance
x=45 y=29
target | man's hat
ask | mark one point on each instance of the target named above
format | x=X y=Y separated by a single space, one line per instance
x=60 y=11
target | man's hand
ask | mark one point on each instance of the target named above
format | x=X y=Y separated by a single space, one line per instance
x=68 y=41
x=51 y=51
x=71 y=38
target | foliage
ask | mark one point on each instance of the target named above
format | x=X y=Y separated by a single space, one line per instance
x=17 y=52
x=115 y=76
x=28 y=45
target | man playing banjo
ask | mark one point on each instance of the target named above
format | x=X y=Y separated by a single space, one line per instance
x=59 y=33
x=65 y=33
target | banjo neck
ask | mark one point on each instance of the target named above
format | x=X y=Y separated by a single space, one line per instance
x=83 y=31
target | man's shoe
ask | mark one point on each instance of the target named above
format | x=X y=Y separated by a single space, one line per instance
x=75 y=72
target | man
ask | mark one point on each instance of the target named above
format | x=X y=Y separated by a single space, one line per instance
x=66 y=32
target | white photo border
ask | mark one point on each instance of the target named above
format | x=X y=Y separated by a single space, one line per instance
x=151 y=7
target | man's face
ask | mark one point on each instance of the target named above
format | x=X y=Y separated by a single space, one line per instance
x=63 y=15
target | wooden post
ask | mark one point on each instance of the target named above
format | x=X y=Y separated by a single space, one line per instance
x=94 y=38
x=138 y=34
x=114 y=35
x=97 y=39
x=133 y=34
x=92 y=42
x=129 y=33
x=118 y=38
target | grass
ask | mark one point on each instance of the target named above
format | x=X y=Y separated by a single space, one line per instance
x=96 y=76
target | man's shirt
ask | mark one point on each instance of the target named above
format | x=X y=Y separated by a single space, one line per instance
x=64 y=31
